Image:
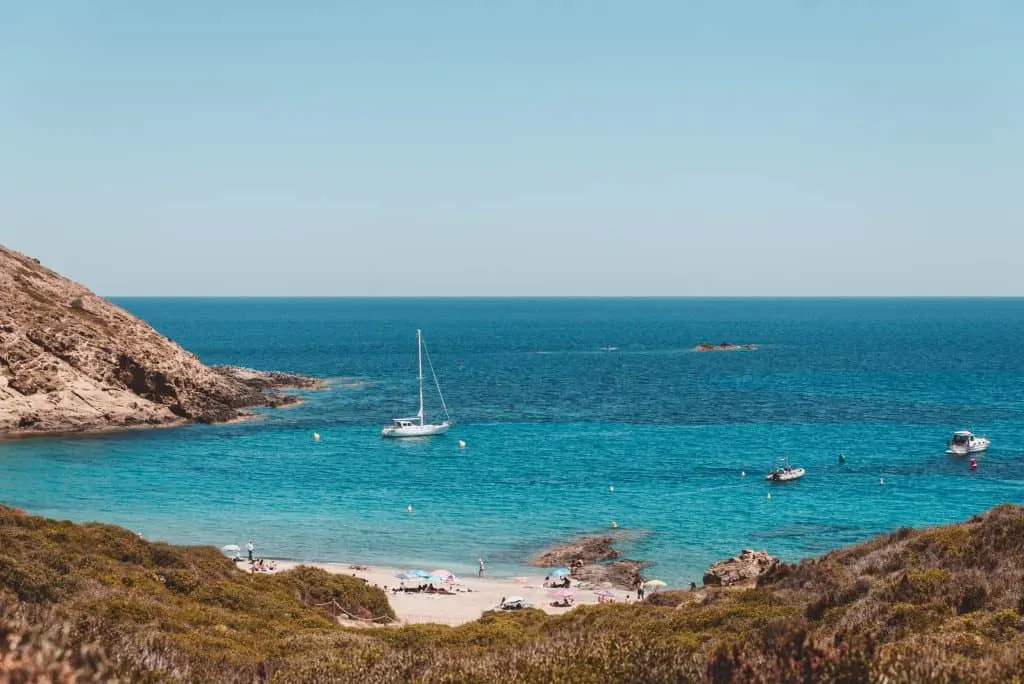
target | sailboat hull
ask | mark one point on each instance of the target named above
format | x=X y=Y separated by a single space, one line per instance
x=427 y=430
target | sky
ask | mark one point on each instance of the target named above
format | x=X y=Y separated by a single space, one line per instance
x=516 y=148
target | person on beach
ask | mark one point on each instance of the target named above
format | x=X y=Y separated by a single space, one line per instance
x=249 y=547
x=480 y=572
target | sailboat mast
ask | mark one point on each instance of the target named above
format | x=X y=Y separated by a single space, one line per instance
x=419 y=354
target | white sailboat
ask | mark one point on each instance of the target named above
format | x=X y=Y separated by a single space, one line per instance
x=415 y=426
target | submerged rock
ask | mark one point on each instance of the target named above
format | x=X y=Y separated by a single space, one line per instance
x=71 y=361
x=741 y=569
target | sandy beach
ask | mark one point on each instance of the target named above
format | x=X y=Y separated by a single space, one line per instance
x=473 y=595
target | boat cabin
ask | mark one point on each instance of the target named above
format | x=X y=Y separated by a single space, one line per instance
x=404 y=422
x=962 y=438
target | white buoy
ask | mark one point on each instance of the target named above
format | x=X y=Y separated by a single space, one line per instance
x=462 y=445
x=743 y=473
x=409 y=509
x=614 y=525
x=316 y=436
x=769 y=496
x=881 y=480
x=611 y=488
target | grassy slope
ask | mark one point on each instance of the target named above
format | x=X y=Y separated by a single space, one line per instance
x=942 y=604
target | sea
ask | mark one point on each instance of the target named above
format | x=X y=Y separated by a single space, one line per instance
x=576 y=415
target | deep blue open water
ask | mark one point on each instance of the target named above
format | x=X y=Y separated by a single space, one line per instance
x=552 y=421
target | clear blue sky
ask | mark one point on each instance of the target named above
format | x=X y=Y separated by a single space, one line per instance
x=515 y=147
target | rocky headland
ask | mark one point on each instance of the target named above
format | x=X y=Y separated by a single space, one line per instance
x=71 y=361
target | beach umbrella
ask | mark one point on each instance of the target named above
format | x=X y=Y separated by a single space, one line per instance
x=231 y=548
x=404 y=576
x=560 y=572
x=604 y=592
x=515 y=599
x=437 y=578
x=654 y=584
x=564 y=593
x=442 y=573
x=418 y=573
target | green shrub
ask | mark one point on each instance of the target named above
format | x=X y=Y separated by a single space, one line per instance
x=331 y=592
x=929 y=611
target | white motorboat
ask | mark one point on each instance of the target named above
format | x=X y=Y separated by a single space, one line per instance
x=965 y=442
x=785 y=473
x=416 y=426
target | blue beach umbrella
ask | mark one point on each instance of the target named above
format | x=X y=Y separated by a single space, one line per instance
x=418 y=573
x=560 y=572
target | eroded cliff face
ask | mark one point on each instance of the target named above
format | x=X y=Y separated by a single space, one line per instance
x=72 y=361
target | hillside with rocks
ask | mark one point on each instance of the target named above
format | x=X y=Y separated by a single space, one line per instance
x=71 y=361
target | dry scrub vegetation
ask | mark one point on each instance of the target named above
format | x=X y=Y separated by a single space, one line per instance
x=96 y=603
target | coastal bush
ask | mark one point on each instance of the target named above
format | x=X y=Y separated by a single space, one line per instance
x=918 y=586
x=331 y=592
x=669 y=598
x=38 y=646
x=929 y=610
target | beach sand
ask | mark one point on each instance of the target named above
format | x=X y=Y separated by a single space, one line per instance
x=473 y=595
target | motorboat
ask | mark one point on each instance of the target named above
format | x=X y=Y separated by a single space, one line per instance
x=416 y=426
x=965 y=442
x=785 y=473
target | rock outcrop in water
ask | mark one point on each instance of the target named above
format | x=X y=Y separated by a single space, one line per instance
x=742 y=569
x=724 y=346
x=585 y=549
x=71 y=361
x=595 y=560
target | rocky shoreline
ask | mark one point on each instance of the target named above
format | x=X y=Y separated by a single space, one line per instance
x=595 y=560
x=743 y=569
x=72 y=362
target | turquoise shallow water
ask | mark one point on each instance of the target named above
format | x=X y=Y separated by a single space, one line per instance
x=552 y=421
